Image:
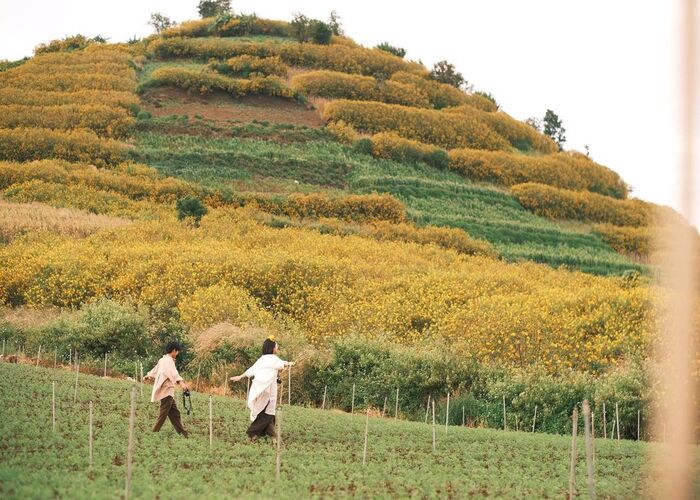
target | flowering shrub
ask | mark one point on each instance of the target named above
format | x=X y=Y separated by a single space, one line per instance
x=104 y=120
x=565 y=170
x=555 y=203
x=518 y=134
x=122 y=99
x=204 y=81
x=80 y=145
x=334 y=57
x=627 y=240
x=245 y=66
x=236 y=26
x=441 y=95
x=333 y=84
x=337 y=286
x=448 y=130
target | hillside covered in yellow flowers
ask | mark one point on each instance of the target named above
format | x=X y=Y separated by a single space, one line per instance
x=222 y=179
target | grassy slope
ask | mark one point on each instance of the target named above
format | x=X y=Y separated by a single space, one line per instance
x=322 y=452
x=433 y=197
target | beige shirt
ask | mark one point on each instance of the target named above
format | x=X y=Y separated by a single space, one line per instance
x=166 y=376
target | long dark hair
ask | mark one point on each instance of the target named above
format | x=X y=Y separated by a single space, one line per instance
x=269 y=346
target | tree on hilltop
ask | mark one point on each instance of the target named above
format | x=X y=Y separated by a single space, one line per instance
x=334 y=23
x=160 y=22
x=213 y=8
x=553 y=127
x=445 y=72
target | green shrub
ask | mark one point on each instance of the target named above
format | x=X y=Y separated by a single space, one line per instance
x=438 y=159
x=363 y=146
x=191 y=206
x=386 y=47
x=101 y=327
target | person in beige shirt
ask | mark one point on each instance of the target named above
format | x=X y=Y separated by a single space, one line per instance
x=166 y=377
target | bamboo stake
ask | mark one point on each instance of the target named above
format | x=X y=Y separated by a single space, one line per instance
x=427 y=409
x=572 y=470
x=352 y=407
x=278 y=458
x=396 y=411
x=53 y=406
x=605 y=424
x=364 y=451
x=289 y=386
x=104 y=372
x=593 y=435
x=225 y=383
x=433 y=424
x=211 y=426
x=323 y=405
x=462 y=415
x=3 y=348
x=617 y=419
x=141 y=377
x=55 y=357
x=504 y=414
x=589 y=449
x=447 y=412
x=130 y=448
x=70 y=357
x=90 y=436
x=77 y=372
x=386 y=398
x=534 y=419
x=199 y=371
x=38 y=355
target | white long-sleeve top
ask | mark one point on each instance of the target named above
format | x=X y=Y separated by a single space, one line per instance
x=263 y=390
x=166 y=376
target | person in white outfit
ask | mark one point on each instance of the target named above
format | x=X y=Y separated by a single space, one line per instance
x=262 y=397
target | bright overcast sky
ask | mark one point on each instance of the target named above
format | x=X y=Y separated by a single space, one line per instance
x=606 y=67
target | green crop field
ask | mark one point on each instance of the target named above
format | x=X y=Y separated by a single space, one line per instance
x=321 y=452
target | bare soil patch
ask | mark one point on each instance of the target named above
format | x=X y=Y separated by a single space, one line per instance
x=222 y=107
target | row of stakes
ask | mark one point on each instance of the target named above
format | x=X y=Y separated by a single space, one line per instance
x=589 y=427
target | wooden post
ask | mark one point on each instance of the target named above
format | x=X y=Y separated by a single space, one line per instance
x=136 y=370
x=225 y=382
x=70 y=357
x=447 y=413
x=593 y=435
x=141 y=377
x=3 y=348
x=130 y=448
x=352 y=404
x=589 y=449
x=196 y=385
x=505 y=428
x=427 y=409
x=325 y=390
x=572 y=470
x=386 y=398
x=104 y=372
x=637 y=425
x=38 y=355
x=90 y=436
x=211 y=425
x=53 y=406
x=617 y=420
x=278 y=458
x=605 y=424
x=364 y=451
x=396 y=411
x=55 y=357
x=534 y=419
x=433 y=424
x=289 y=386
x=462 y=415
x=77 y=372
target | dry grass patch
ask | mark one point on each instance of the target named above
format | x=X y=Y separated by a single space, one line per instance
x=17 y=219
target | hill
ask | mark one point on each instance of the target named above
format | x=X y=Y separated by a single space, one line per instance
x=224 y=180
x=321 y=453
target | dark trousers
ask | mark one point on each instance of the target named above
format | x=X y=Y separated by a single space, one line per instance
x=263 y=424
x=168 y=409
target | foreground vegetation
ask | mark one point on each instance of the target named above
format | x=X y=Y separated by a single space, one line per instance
x=321 y=451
